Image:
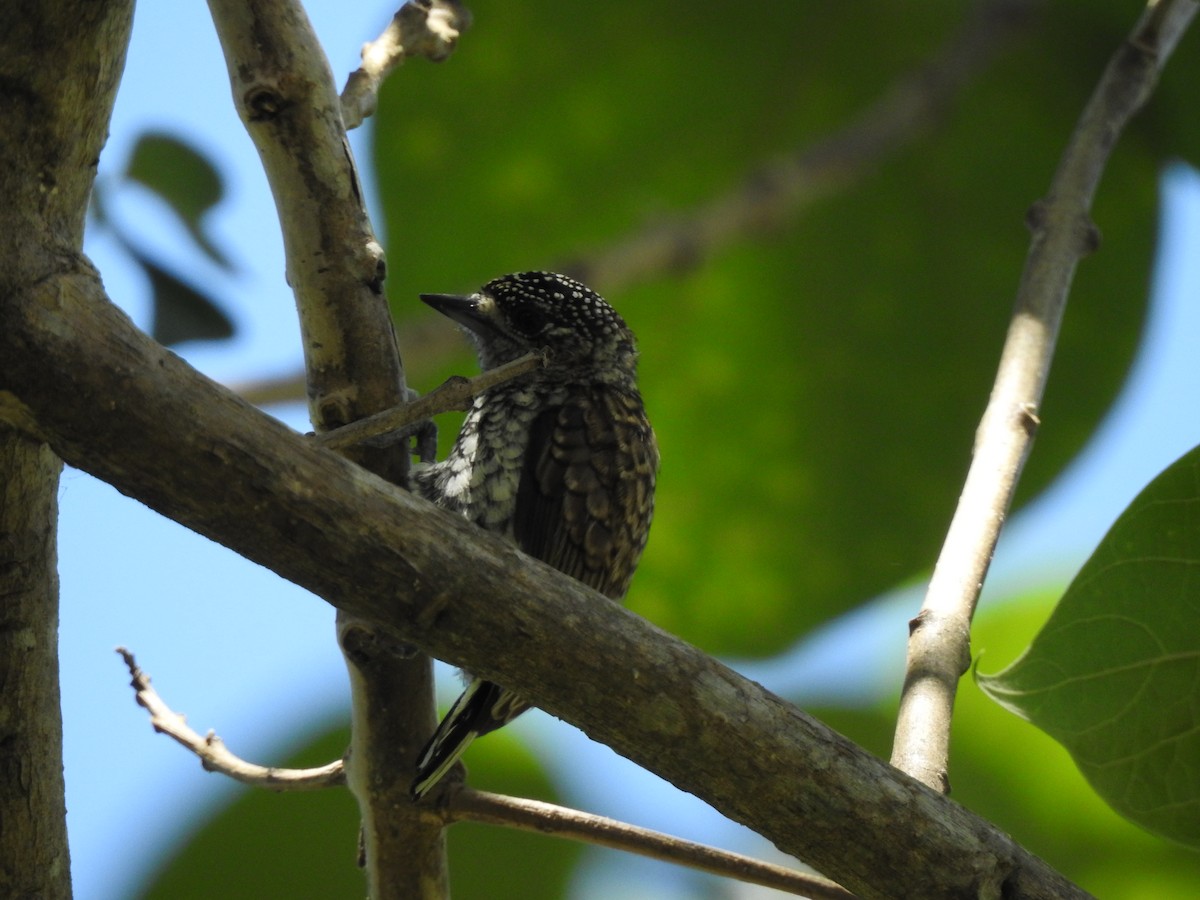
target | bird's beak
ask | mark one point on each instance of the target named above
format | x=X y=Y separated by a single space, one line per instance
x=471 y=312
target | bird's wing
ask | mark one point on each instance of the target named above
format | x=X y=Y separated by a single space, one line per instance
x=586 y=494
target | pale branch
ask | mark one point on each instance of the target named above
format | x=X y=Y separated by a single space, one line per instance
x=456 y=393
x=468 y=805
x=428 y=28
x=284 y=92
x=1063 y=233
x=214 y=756
x=121 y=407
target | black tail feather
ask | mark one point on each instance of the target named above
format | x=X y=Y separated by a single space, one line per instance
x=484 y=706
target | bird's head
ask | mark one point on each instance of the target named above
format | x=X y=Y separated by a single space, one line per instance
x=514 y=314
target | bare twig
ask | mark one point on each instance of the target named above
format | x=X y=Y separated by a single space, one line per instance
x=456 y=393
x=1063 y=233
x=428 y=28
x=211 y=750
x=467 y=805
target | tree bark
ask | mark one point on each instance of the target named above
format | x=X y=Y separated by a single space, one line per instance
x=284 y=92
x=60 y=63
x=34 y=861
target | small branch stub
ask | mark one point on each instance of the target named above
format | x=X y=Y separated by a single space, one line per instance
x=456 y=393
x=428 y=28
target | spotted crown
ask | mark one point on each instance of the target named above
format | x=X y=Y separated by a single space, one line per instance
x=556 y=311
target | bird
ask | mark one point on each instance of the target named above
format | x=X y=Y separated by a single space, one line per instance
x=562 y=461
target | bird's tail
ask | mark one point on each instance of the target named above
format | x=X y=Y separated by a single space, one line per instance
x=483 y=707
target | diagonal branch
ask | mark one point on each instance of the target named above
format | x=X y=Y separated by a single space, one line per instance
x=1063 y=233
x=775 y=193
x=456 y=393
x=119 y=406
x=468 y=805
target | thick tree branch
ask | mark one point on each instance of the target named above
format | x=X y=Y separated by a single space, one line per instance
x=34 y=859
x=1063 y=233
x=118 y=405
x=283 y=90
x=284 y=93
x=60 y=63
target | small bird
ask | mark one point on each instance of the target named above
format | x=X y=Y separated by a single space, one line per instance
x=562 y=461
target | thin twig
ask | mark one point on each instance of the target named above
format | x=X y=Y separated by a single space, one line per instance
x=1063 y=233
x=456 y=393
x=214 y=755
x=479 y=806
x=428 y=28
x=468 y=805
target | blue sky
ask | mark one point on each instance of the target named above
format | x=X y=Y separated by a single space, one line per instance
x=244 y=652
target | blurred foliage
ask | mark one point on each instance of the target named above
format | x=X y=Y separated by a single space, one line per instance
x=189 y=185
x=1113 y=674
x=184 y=179
x=816 y=392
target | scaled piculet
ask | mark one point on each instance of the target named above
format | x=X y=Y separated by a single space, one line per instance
x=562 y=461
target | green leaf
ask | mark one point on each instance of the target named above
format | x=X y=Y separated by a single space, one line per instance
x=180 y=311
x=1114 y=675
x=1018 y=778
x=815 y=393
x=185 y=179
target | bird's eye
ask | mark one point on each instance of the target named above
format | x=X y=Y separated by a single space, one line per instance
x=528 y=321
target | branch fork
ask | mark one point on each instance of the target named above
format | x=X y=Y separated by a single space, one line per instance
x=466 y=805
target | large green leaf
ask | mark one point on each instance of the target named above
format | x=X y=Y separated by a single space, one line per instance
x=1114 y=675
x=1021 y=780
x=815 y=393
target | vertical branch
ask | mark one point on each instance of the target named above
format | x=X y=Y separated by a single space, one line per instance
x=34 y=860
x=60 y=64
x=1063 y=233
x=284 y=92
